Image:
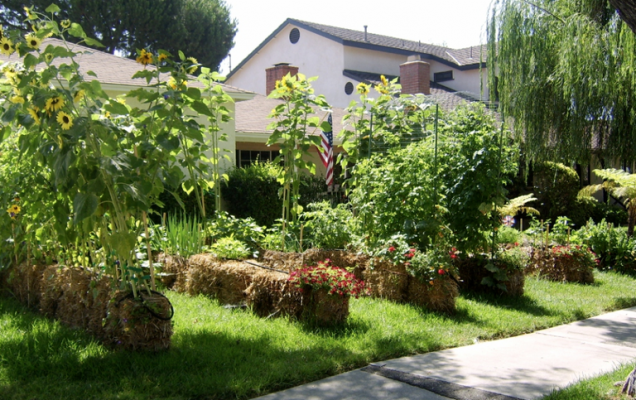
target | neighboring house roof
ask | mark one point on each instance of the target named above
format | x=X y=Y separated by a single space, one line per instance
x=462 y=59
x=111 y=69
x=252 y=116
x=446 y=97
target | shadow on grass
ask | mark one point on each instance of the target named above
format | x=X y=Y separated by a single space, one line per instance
x=41 y=359
x=521 y=303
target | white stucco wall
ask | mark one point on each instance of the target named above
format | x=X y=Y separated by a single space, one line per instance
x=463 y=81
x=313 y=54
x=378 y=62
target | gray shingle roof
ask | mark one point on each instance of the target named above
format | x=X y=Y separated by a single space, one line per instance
x=459 y=57
x=109 y=68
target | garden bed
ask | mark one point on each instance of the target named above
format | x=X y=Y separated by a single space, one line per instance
x=474 y=272
x=268 y=293
x=562 y=264
x=81 y=299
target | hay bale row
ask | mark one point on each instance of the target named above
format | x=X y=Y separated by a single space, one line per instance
x=271 y=294
x=472 y=271
x=440 y=296
x=80 y=299
x=171 y=270
x=558 y=268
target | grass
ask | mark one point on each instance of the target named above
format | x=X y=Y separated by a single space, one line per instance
x=222 y=353
x=597 y=388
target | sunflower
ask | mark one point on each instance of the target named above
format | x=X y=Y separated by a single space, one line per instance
x=48 y=57
x=79 y=95
x=14 y=210
x=33 y=41
x=29 y=13
x=54 y=103
x=363 y=88
x=145 y=57
x=9 y=71
x=66 y=24
x=65 y=120
x=172 y=83
x=33 y=112
x=17 y=100
x=384 y=81
x=162 y=57
x=6 y=46
x=193 y=68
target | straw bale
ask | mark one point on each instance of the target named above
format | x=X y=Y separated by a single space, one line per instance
x=24 y=282
x=99 y=295
x=72 y=306
x=132 y=324
x=558 y=268
x=323 y=309
x=440 y=296
x=51 y=288
x=175 y=266
x=224 y=280
x=281 y=260
x=472 y=271
x=271 y=294
x=386 y=280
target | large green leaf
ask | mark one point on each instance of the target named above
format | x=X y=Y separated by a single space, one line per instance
x=84 y=205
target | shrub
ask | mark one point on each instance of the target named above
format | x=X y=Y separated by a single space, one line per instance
x=612 y=245
x=328 y=227
x=556 y=187
x=244 y=229
x=508 y=235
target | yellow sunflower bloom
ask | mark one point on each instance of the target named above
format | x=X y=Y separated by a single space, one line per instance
x=6 y=46
x=65 y=120
x=9 y=72
x=162 y=57
x=33 y=41
x=17 y=100
x=66 y=24
x=48 y=57
x=192 y=69
x=363 y=88
x=172 y=83
x=79 y=95
x=34 y=114
x=384 y=81
x=54 y=103
x=14 y=210
x=144 y=58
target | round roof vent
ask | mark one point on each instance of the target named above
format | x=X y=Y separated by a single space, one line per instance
x=294 y=35
x=349 y=88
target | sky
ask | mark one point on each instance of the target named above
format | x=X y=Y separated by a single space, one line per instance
x=453 y=23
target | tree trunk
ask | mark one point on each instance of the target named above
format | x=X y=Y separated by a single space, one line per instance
x=627 y=10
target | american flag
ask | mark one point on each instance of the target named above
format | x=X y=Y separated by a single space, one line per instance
x=327 y=155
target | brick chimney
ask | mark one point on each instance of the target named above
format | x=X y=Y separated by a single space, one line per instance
x=276 y=73
x=415 y=76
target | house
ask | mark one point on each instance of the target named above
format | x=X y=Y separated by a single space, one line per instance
x=115 y=75
x=342 y=58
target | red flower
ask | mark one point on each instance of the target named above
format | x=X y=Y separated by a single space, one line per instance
x=516 y=244
x=441 y=272
x=391 y=249
x=453 y=256
x=409 y=255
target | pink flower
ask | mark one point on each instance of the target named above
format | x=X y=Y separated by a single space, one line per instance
x=391 y=249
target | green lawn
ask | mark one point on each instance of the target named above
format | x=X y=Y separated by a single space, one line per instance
x=597 y=388
x=222 y=353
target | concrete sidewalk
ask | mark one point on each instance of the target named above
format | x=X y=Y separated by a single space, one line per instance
x=523 y=367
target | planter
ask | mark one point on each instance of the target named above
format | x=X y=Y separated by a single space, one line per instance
x=172 y=268
x=560 y=267
x=323 y=309
x=272 y=295
x=473 y=271
x=439 y=296
x=83 y=300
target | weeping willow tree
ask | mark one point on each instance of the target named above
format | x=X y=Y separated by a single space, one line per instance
x=565 y=71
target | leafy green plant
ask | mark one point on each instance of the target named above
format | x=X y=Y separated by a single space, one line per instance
x=329 y=227
x=284 y=235
x=183 y=236
x=556 y=187
x=615 y=250
x=230 y=248
x=434 y=264
x=508 y=235
x=244 y=229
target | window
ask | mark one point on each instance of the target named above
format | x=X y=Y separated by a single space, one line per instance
x=443 y=76
x=245 y=158
x=294 y=35
x=349 y=88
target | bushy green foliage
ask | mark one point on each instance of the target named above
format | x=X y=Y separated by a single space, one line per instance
x=396 y=193
x=508 y=235
x=556 y=187
x=615 y=250
x=328 y=227
x=476 y=160
x=230 y=248
x=291 y=237
x=244 y=229
x=190 y=205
